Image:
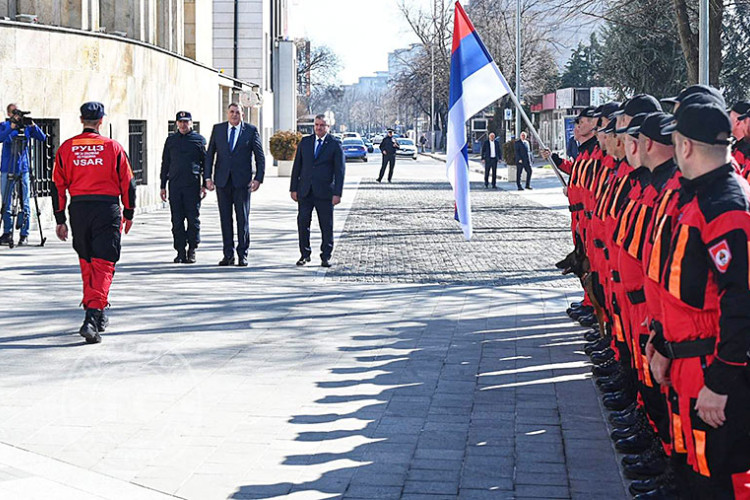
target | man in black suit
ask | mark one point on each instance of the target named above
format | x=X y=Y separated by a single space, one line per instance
x=234 y=143
x=317 y=182
x=388 y=147
x=490 y=154
x=523 y=161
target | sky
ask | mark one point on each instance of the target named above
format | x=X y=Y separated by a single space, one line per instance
x=360 y=32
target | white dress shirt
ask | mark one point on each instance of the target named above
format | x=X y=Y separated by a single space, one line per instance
x=492 y=149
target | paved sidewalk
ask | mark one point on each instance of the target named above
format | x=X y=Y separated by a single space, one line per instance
x=275 y=381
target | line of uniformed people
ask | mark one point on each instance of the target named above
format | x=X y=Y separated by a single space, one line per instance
x=660 y=210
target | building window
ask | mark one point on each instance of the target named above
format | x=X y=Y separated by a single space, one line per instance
x=137 y=150
x=172 y=127
x=42 y=156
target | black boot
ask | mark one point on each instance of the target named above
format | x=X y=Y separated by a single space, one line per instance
x=649 y=467
x=181 y=257
x=90 y=328
x=597 y=345
x=600 y=357
x=606 y=368
x=190 y=258
x=636 y=443
x=592 y=335
x=103 y=322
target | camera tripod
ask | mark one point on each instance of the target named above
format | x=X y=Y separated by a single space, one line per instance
x=13 y=192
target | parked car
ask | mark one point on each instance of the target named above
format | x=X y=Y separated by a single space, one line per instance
x=377 y=140
x=354 y=149
x=368 y=144
x=406 y=148
x=351 y=134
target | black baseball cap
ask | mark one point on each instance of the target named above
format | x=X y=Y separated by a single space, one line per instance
x=641 y=103
x=607 y=109
x=92 y=110
x=183 y=115
x=706 y=90
x=610 y=128
x=587 y=112
x=652 y=126
x=742 y=108
x=633 y=126
x=702 y=123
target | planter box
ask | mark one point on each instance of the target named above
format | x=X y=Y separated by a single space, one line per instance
x=285 y=168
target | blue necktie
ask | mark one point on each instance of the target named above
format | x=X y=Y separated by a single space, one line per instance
x=317 y=147
x=231 y=138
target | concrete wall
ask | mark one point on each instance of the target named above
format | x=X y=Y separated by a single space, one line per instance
x=60 y=69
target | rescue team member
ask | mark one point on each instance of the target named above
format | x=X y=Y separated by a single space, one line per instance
x=701 y=348
x=182 y=167
x=741 y=133
x=96 y=172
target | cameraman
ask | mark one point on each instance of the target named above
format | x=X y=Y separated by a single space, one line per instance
x=11 y=168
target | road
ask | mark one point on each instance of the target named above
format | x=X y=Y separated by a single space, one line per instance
x=420 y=366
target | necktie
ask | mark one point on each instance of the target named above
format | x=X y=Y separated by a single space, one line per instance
x=317 y=147
x=231 y=138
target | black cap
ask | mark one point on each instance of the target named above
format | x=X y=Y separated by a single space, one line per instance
x=701 y=122
x=706 y=90
x=587 y=112
x=641 y=103
x=92 y=110
x=742 y=108
x=610 y=128
x=606 y=110
x=389 y=130
x=652 y=125
x=183 y=115
x=633 y=126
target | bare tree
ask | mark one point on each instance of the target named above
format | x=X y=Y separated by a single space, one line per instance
x=317 y=69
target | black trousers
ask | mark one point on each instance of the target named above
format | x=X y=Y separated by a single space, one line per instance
x=324 y=209
x=235 y=199
x=519 y=169
x=185 y=204
x=388 y=160
x=490 y=164
x=96 y=229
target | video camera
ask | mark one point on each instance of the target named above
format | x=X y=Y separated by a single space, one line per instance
x=20 y=119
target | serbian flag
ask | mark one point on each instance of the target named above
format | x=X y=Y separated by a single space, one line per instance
x=476 y=82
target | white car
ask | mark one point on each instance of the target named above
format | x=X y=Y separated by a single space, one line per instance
x=353 y=135
x=406 y=147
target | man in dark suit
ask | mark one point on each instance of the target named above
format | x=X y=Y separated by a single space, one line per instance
x=234 y=143
x=388 y=147
x=523 y=160
x=317 y=182
x=490 y=154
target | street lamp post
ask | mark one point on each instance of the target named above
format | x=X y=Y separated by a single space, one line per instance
x=432 y=76
x=703 y=28
x=518 y=64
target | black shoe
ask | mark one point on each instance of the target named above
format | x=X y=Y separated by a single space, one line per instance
x=617 y=400
x=588 y=321
x=325 y=263
x=598 y=345
x=615 y=377
x=190 y=258
x=379 y=180
x=576 y=305
x=520 y=188
x=599 y=357
x=389 y=181
x=103 y=321
x=303 y=260
x=617 y=384
x=608 y=368
x=529 y=187
x=5 y=240
x=494 y=187
x=89 y=329
x=636 y=443
x=628 y=416
x=486 y=186
x=626 y=432
x=647 y=468
x=23 y=241
x=242 y=262
x=592 y=335
x=647 y=485
x=578 y=313
x=227 y=261
x=180 y=259
x=663 y=492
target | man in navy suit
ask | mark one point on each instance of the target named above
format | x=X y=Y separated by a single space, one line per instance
x=317 y=182
x=234 y=143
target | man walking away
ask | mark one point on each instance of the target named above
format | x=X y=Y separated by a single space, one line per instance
x=523 y=160
x=96 y=172
x=490 y=155
x=317 y=182
x=388 y=147
x=182 y=167
x=233 y=145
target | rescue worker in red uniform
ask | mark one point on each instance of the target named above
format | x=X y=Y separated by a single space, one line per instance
x=702 y=346
x=741 y=133
x=96 y=172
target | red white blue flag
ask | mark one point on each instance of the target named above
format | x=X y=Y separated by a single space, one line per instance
x=476 y=82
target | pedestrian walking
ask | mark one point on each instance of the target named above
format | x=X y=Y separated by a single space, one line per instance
x=388 y=148
x=95 y=171
x=490 y=154
x=182 y=168
x=523 y=160
x=422 y=143
x=233 y=147
x=317 y=183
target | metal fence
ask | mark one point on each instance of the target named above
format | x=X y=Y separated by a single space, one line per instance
x=42 y=156
x=137 y=150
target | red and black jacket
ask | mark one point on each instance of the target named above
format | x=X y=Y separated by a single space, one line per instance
x=92 y=168
x=741 y=154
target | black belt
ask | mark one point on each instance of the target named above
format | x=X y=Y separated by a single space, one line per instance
x=636 y=296
x=615 y=276
x=575 y=208
x=598 y=243
x=687 y=349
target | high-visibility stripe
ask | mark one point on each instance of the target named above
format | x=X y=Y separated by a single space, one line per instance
x=623 y=223
x=675 y=272
x=654 y=265
x=700 y=452
x=635 y=244
x=678 y=438
x=87 y=142
x=613 y=200
x=646 y=372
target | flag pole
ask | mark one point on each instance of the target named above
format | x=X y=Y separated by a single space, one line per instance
x=520 y=110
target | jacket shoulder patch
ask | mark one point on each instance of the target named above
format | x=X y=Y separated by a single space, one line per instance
x=721 y=255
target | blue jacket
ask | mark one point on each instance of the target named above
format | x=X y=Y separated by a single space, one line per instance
x=237 y=164
x=6 y=138
x=523 y=156
x=324 y=175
